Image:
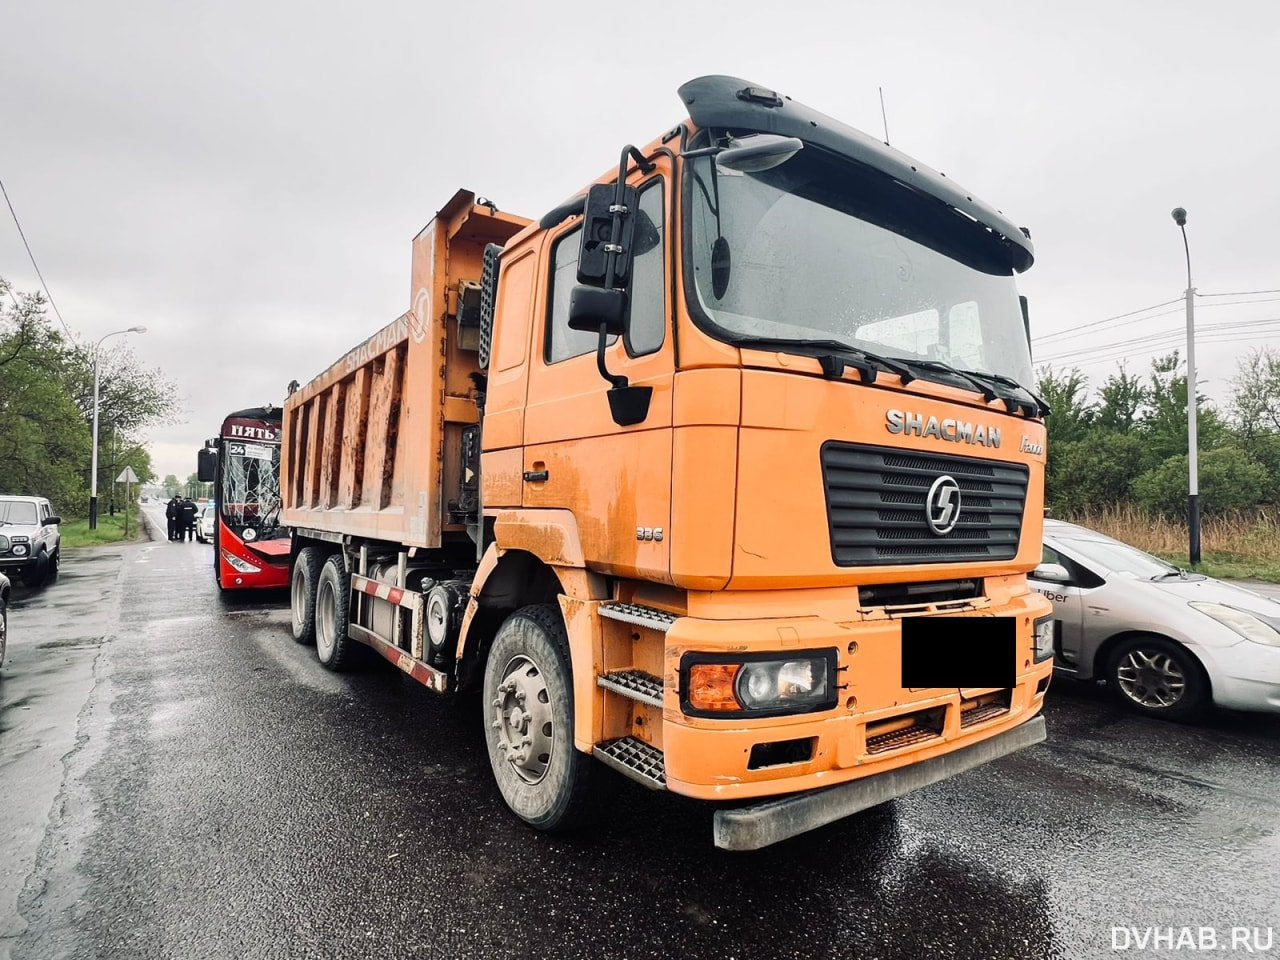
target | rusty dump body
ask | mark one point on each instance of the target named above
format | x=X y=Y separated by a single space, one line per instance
x=795 y=453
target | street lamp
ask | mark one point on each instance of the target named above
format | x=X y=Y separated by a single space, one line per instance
x=93 y=470
x=1193 y=466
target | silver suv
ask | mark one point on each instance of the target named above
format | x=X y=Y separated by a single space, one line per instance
x=29 y=539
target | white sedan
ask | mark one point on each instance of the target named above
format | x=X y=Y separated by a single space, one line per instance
x=205 y=522
x=1168 y=642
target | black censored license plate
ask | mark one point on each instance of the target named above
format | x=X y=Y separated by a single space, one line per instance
x=959 y=652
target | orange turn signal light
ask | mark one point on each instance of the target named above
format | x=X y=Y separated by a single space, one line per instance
x=711 y=686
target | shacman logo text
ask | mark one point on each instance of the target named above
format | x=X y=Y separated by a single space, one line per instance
x=957 y=431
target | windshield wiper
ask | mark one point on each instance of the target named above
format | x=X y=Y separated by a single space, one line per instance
x=1180 y=573
x=833 y=356
x=1010 y=382
x=988 y=394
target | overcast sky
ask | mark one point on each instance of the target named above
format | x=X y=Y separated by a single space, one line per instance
x=244 y=178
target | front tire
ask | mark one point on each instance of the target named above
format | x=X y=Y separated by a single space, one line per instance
x=1158 y=677
x=333 y=591
x=302 y=594
x=528 y=703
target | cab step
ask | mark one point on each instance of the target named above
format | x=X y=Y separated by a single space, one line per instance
x=638 y=615
x=635 y=759
x=635 y=684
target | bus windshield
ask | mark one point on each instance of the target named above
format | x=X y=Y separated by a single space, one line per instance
x=250 y=494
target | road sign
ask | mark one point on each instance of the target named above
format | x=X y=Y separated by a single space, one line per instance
x=127 y=476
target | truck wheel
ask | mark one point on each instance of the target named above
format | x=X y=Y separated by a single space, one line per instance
x=528 y=710
x=1158 y=677
x=302 y=594
x=333 y=591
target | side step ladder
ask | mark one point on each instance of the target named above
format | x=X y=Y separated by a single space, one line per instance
x=631 y=756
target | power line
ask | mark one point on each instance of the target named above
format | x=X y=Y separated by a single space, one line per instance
x=1156 y=348
x=1244 y=293
x=1208 y=333
x=43 y=285
x=1098 y=323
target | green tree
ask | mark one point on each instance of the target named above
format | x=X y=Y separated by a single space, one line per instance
x=1255 y=400
x=1067 y=395
x=172 y=485
x=44 y=445
x=1163 y=422
x=1229 y=479
x=1094 y=472
x=1122 y=397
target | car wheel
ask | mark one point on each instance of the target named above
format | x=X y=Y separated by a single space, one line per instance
x=55 y=563
x=4 y=628
x=302 y=594
x=1158 y=677
x=528 y=702
x=333 y=591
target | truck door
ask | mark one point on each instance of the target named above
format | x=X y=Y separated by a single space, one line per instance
x=615 y=480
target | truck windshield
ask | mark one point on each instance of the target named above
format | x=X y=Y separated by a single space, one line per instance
x=251 y=485
x=821 y=249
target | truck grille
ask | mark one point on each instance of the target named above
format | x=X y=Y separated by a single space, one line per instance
x=876 y=506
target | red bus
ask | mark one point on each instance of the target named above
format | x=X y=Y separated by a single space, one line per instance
x=251 y=547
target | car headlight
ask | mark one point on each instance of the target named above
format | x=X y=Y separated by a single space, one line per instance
x=1043 y=632
x=722 y=686
x=20 y=549
x=1246 y=624
x=240 y=565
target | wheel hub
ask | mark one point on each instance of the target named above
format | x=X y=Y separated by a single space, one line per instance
x=522 y=719
x=1151 y=678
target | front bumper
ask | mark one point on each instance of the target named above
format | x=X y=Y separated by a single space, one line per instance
x=762 y=824
x=1244 y=676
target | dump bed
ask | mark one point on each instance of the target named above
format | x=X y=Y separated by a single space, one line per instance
x=372 y=447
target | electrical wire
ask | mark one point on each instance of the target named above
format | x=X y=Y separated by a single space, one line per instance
x=43 y=285
x=1172 y=336
x=1098 y=323
x=1239 y=293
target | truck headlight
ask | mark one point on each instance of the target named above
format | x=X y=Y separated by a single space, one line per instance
x=1246 y=624
x=239 y=564
x=769 y=685
x=1043 y=632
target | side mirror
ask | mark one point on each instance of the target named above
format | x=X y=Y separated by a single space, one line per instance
x=597 y=235
x=759 y=152
x=54 y=520
x=207 y=466
x=1052 y=572
x=589 y=307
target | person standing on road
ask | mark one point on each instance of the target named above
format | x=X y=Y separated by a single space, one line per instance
x=171 y=514
x=189 y=511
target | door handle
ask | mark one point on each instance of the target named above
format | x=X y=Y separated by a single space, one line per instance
x=537 y=476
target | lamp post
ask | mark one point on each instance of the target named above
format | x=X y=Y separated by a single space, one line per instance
x=1193 y=466
x=93 y=469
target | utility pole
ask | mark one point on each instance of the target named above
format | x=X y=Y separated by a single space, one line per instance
x=1193 y=465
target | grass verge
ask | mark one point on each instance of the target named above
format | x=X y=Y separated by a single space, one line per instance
x=1236 y=547
x=76 y=533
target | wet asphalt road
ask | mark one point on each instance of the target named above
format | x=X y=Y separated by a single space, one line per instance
x=179 y=779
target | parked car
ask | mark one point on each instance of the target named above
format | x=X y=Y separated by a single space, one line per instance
x=204 y=524
x=4 y=615
x=1169 y=643
x=30 y=543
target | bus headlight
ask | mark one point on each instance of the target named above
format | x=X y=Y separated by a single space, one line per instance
x=723 y=686
x=1043 y=632
x=239 y=564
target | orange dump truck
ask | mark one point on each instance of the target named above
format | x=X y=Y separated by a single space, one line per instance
x=724 y=473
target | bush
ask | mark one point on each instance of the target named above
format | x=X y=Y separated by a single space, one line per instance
x=1230 y=480
x=1096 y=470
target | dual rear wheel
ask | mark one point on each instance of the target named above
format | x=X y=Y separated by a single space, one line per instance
x=527 y=692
